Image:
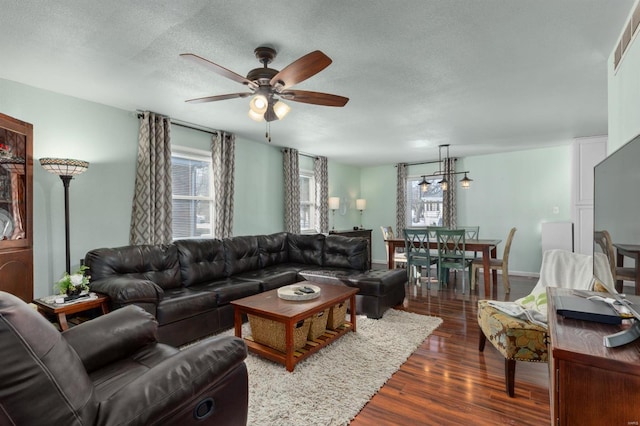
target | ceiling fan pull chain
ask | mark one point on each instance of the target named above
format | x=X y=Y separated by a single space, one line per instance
x=267 y=133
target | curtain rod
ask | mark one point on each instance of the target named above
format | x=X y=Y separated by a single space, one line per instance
x=303 y=154
x=183 y=124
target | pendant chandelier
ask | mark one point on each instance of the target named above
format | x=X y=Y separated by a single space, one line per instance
x=465 y=182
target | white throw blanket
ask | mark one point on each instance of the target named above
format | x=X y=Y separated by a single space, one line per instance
x=560 y=268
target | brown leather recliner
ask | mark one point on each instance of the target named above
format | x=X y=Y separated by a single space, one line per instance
x=111 y=370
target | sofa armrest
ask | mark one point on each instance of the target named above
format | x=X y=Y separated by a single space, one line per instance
x=178 y=381
x=111 y=337
x=125 y=290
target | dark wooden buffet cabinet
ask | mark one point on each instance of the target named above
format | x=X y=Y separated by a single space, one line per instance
x=590 y=384
x=362 y=233
x=16 y=207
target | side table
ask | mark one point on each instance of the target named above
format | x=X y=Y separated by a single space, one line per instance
x=61 y=310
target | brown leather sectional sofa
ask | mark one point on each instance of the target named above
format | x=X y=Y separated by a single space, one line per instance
x=188 y=285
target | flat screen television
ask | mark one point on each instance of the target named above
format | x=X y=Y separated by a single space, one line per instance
x=616 y=209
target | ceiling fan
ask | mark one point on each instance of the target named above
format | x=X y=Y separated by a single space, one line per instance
x=268 y=86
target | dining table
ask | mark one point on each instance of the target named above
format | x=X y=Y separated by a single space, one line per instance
x=488 y=248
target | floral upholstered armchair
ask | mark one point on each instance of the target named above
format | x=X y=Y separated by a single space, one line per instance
x=518 y=329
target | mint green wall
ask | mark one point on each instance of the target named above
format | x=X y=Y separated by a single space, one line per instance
x=518 y=189
x=624 y=96
x=513 y=189
x=99 y=199
x=259 y=198
x=344 y=182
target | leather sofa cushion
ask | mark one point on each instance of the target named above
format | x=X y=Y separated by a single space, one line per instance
x=180 y=303
x=201 y=260
x=157 y=263
x=230 y=289
x=273 y=277
x=242 y=254
x=306 y=248
x=346 y=252
x=274 y=249
x=118 y=374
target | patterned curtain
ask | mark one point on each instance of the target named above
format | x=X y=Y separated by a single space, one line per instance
x=450 y=206
x=291 y=190
x=401 y=198
x=151 y=215
x=223 y=162
x=321 y=174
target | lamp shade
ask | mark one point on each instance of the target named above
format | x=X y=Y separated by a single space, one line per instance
x=361 y=204
x=334 y=203
x=281 y=109
x=255 y=116
x=465 y=182
x=424 y=185
x=64 y=166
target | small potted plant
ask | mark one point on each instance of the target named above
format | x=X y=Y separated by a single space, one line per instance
x=74 y=284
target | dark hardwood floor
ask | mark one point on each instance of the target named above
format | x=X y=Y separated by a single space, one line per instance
x=447 y=381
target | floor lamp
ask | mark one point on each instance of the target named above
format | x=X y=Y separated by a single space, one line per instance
x=66 y=169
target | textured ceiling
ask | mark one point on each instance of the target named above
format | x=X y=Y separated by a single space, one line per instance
x=482 y=75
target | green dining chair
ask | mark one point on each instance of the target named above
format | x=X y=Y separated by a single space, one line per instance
x=417 y=252
x=452 y=254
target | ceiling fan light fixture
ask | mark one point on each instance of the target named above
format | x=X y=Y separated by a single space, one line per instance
x=255 y=116
x=281 y=109
x=259 y=104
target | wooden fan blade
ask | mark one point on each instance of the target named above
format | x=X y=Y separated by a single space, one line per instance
x=315 y=98
x=219 y=97
x=301 y=69
x=218 y=69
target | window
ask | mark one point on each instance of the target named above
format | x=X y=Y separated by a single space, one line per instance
x=192 y=175
x=307 y=201
x=424 y=208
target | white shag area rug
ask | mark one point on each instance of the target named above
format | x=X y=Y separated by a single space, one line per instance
x=332 y=385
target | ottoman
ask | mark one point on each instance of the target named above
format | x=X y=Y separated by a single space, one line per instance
x=379 y=289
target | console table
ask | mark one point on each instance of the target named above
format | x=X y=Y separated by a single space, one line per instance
x=588 y=382
x=362 y=233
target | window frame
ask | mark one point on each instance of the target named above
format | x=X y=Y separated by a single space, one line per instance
x=201 y=155
x=409 y=223
x=313 y=208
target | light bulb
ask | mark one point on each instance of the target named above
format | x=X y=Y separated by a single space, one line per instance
x=258 y=104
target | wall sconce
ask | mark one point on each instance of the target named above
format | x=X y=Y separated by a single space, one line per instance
x=334 y=204
x=361 y=204
x=66 y=169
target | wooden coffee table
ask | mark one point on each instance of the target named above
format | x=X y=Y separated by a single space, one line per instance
x=269 y=306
